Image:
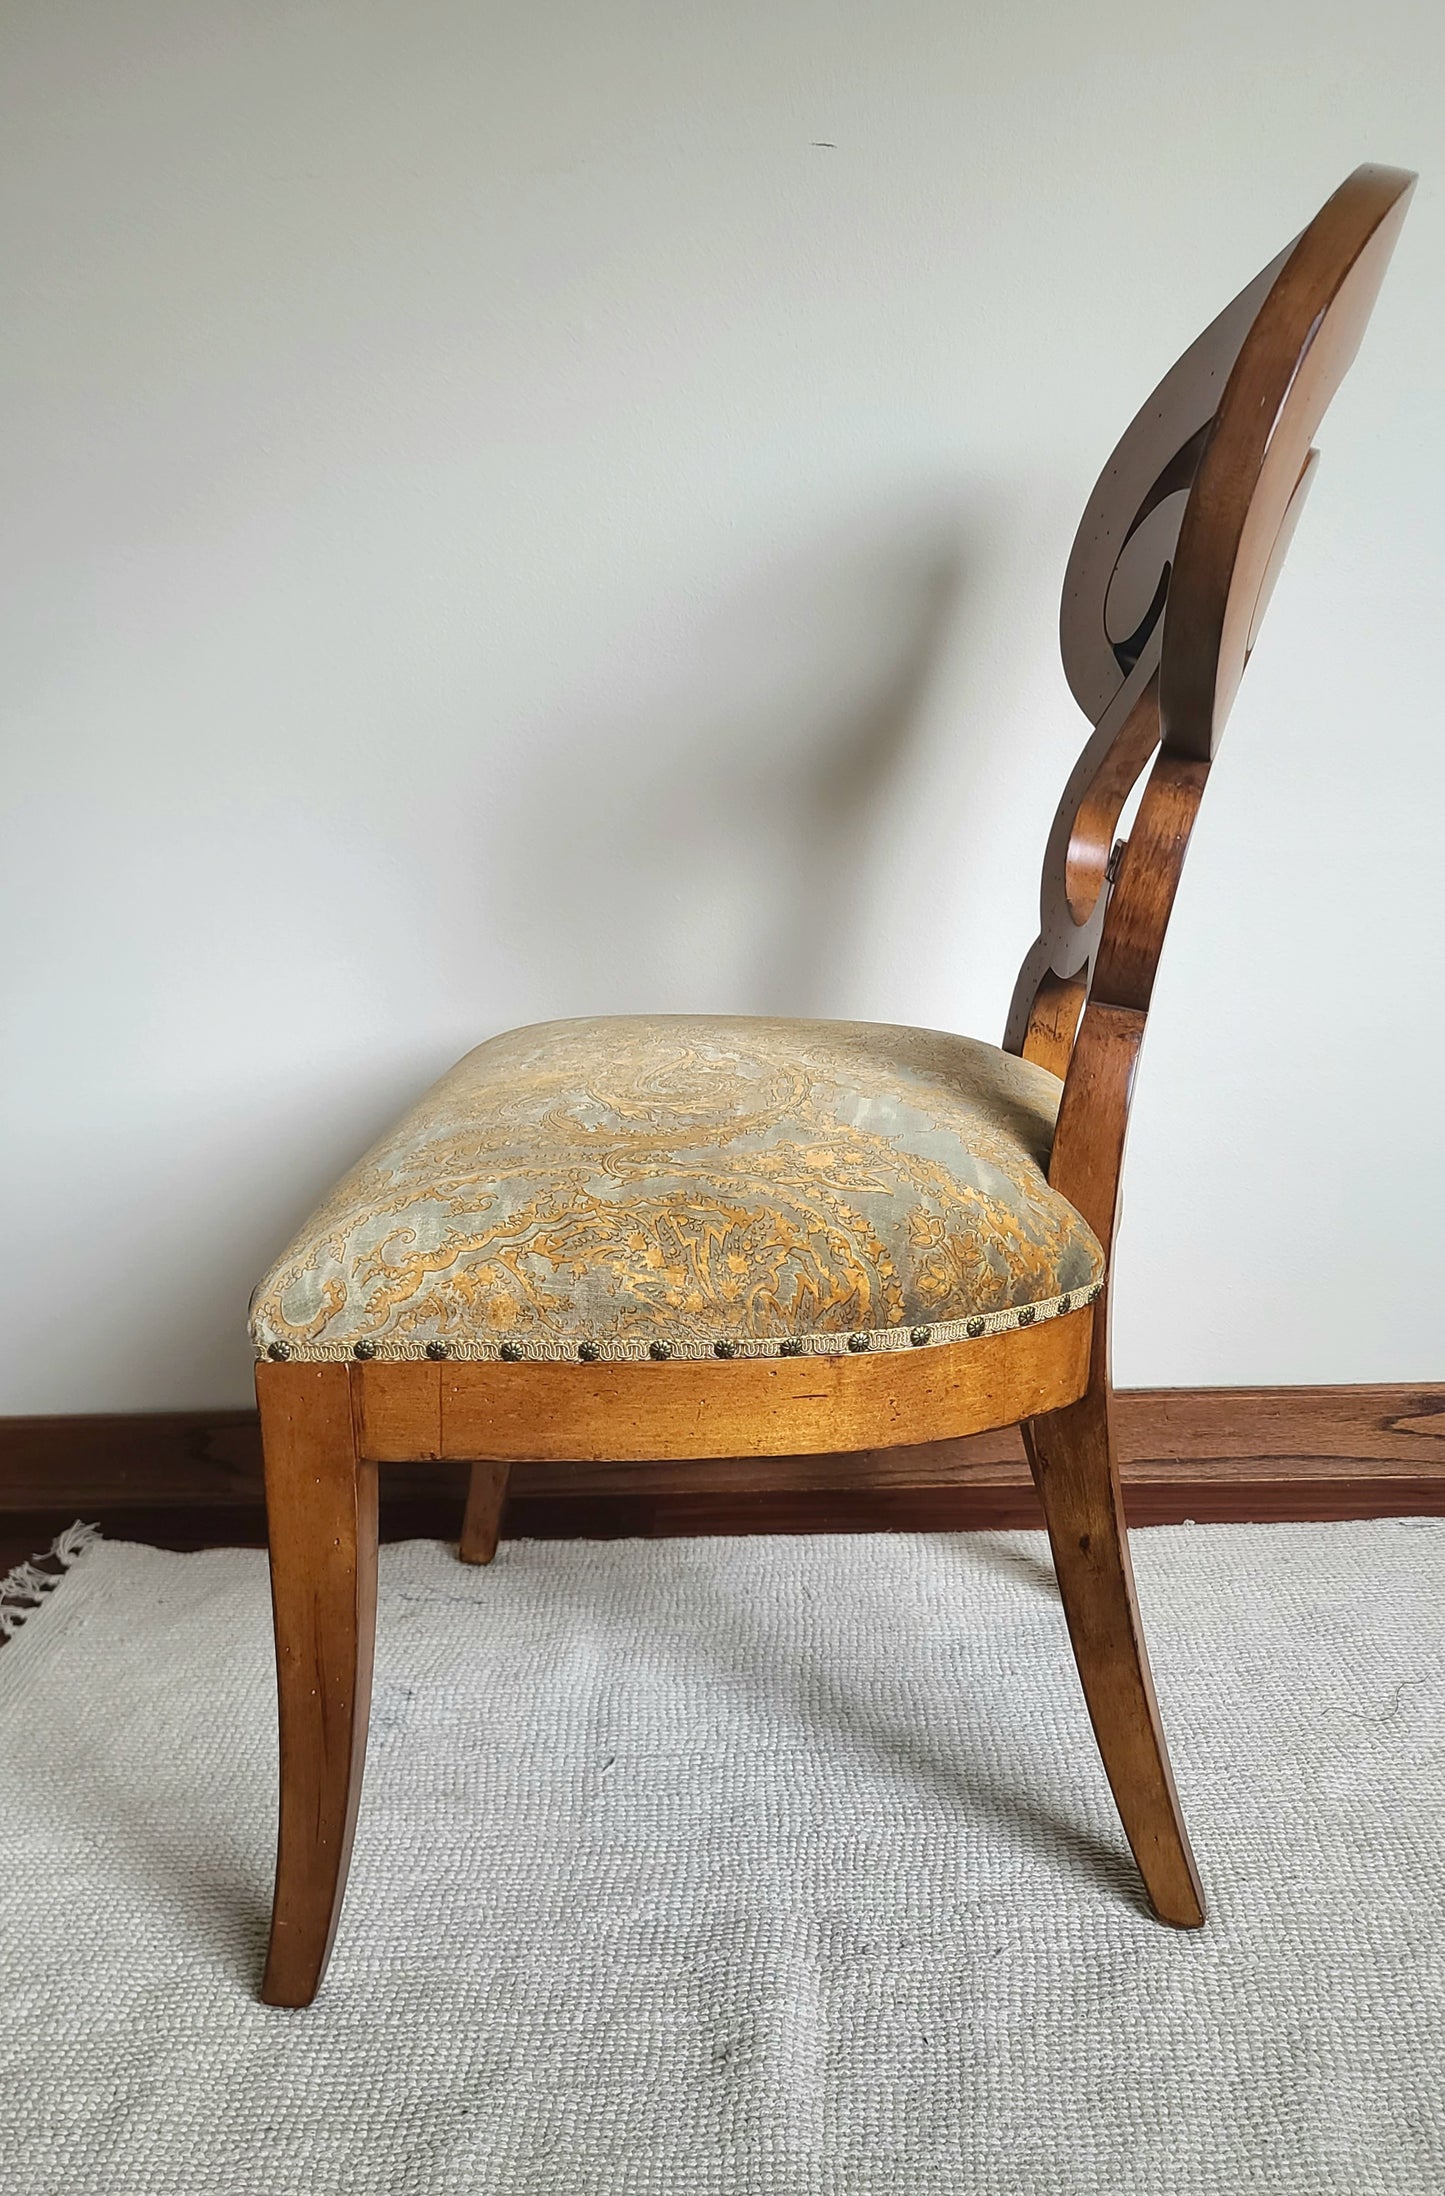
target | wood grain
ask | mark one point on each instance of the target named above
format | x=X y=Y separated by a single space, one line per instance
x=762 y=1406
x=482 y=1519
x=1172 y=568
x=1221 y=1452
x=1245 y=497
x=965 y=1506
x=321 y=1508
x=1053 y=1020
x=1076 y=1470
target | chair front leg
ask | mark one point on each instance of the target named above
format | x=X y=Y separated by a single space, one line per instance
x=1076 y=1470
x=321 y=1512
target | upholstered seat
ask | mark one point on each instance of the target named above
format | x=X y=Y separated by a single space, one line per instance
x=685 y=1186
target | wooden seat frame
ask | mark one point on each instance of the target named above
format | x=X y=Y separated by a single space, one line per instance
x=1173 y=564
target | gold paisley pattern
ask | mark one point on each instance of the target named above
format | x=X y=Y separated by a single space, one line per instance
x=677 y=1185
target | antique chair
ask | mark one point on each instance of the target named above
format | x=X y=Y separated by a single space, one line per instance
x=699 y=1237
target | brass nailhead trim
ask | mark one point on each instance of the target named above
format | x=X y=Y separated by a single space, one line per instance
x=1024 y=1315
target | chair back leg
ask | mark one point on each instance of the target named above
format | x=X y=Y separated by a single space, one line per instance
x=1076 y=1470
x=482 y=1525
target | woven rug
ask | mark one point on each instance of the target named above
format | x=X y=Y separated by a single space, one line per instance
x=735 y=1867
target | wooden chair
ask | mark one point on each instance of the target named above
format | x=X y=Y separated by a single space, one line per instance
x=686 y=1238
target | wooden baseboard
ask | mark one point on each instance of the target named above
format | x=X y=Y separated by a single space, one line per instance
x=193 y=1478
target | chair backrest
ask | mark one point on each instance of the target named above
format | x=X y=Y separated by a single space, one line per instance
x=1170 y=573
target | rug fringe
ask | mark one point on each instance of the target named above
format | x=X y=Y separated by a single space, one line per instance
x=22 y=1592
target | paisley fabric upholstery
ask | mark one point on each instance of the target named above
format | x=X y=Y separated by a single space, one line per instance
x=683 y=1185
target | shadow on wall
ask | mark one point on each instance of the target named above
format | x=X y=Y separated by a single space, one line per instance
x=711 y=844
x=713 y=841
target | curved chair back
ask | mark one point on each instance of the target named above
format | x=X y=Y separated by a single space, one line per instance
x=1170 y=574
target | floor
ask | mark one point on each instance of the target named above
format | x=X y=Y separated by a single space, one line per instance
x=779 y=1867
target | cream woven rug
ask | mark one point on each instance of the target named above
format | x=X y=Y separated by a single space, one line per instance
x=735 y=1867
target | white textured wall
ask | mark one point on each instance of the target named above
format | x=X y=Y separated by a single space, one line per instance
x=503 y=523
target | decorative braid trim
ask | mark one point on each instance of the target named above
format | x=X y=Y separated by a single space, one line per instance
x=558 y=1350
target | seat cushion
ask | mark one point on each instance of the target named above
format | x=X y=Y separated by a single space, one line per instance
x=686 y=1185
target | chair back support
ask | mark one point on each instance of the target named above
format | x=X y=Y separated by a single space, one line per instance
x=1170 y=573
